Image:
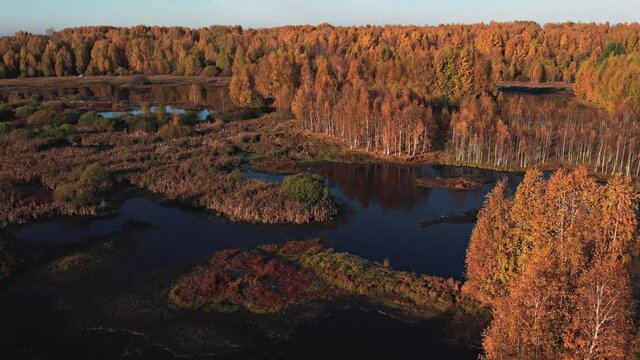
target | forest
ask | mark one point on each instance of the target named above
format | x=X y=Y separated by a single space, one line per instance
x=394 y=90
x=555 y=262
x=515 y=50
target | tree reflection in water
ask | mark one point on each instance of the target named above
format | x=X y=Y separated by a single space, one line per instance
x=188 y=95
x=390 y=186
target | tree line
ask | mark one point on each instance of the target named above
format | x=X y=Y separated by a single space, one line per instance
x=396 y=90
x=392 y=89
x=611 y=80
x=516 y=50
x=520 y=132
x=554 y=262
x=108 y=50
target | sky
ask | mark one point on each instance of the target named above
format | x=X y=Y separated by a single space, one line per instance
x=37 y=15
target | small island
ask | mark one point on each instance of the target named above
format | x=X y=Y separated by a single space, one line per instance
x=451 y=183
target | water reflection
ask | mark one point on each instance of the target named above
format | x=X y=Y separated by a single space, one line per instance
x=393 y=186
x=188 y=96
x=389 y=186
x=384 y=210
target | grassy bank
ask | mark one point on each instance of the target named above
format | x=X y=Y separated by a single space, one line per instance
x=271 y=278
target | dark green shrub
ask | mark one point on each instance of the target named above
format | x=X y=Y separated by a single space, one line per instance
x=96 y=177
x=42 y=117
x=236 y=175
x=173 y=131
x=65 y=192
x=110 y=125
x=6 y=112
x=5 y=128
x=76 y=197
x=61 y=131
x=145 y=123
x=232 y=149
x=24 y=112
x=306 y=188
x=151 y=163
x=70 y=116
x=54 y=114
x=34 y=100
x=78 y=97
x=75 y=139
x=88 y=119
x=189 y=118
x=84 y=187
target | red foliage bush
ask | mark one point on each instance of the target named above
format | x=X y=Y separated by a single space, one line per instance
x=258 y=280
x=271 y=278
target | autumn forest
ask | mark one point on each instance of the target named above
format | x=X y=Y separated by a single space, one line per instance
x=394 y=90
x=520 y=139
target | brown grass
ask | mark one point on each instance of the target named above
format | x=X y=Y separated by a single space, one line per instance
x=196 y=170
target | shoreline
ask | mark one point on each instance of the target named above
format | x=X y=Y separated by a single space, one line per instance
x=53 y=83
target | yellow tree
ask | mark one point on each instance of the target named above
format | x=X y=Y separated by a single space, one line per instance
x=525 y=215
x=525 y=322
x=568 y=294
x=602 y=322
x=302 y=102
x=485 y=267
x=241 y=89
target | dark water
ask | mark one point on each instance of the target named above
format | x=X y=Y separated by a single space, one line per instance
x=382 y=208
x=358 y=334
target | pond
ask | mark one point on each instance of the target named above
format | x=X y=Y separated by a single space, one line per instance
x=382 y=209
x=202 y=114
x=381 y=213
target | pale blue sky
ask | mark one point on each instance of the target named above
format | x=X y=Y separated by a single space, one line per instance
x=36 y=15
